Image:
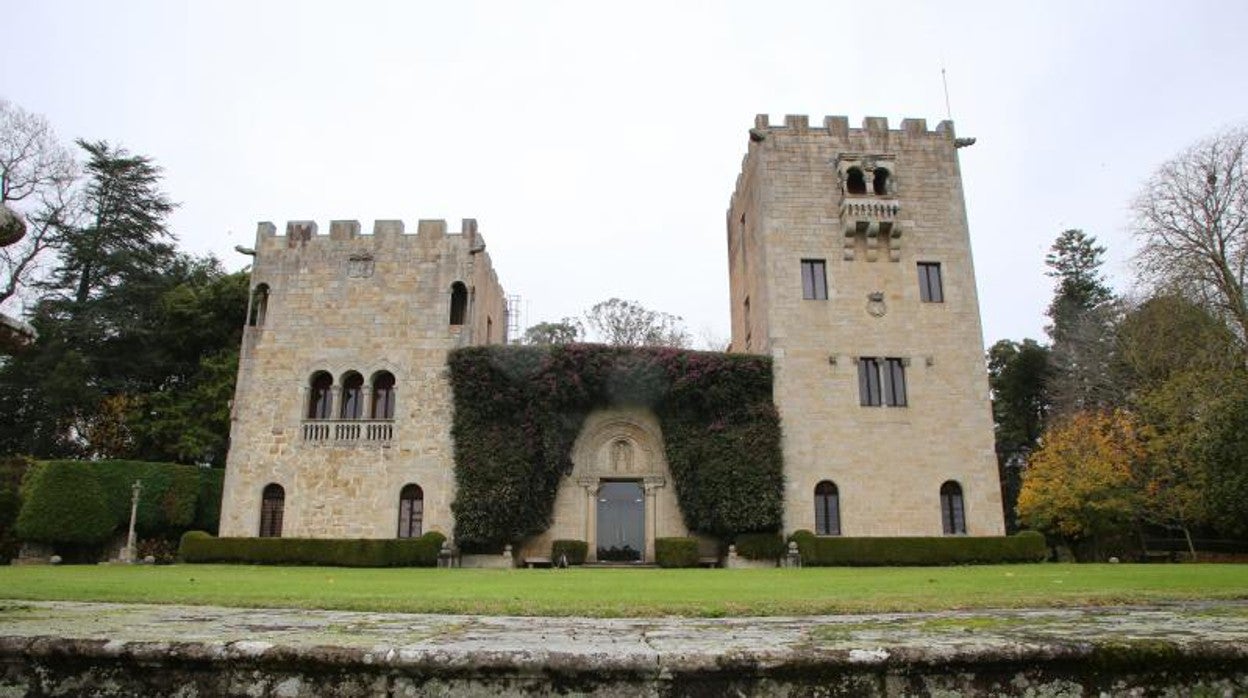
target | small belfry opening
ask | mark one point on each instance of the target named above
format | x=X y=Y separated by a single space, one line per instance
x=259 y=306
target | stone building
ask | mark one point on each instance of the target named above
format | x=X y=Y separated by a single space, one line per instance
x=341 y=422
x=849 y=261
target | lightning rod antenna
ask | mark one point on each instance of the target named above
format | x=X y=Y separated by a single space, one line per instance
x=945 y=82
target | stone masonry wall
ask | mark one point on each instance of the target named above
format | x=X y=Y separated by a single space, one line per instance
x=352 y=302
x=888 y=463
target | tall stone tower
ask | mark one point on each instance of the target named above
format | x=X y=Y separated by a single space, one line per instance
x=850 y=263
x=341 y=421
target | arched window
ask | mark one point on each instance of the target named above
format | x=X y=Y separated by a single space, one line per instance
x=855 y=182
x=827 y=509
x=411 y=511
x=952 y=515
x=320 y=395
x=880 y=181
x=259 y=305
x=383 y=395
x=459 y=303
x=352 y=396
x=272 y=502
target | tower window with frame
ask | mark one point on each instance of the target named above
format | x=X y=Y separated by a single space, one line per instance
x=320 y=395
x=814 y=280
x=881 y=381
x=383 y=395
x=827 y=509
x=352 y=396
x=411 y=511
x=272 y=504
x=952 y=511
x=931 y=289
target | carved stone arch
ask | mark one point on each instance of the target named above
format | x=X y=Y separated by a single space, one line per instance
x=619 y=446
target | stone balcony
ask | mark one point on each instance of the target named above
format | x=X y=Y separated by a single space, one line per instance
x=872 y=218
x=348 y=432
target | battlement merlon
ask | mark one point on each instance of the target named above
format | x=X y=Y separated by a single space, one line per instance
x=839 y=126
x=301 y=233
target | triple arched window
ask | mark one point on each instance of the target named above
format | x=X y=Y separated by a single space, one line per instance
x=355 y=399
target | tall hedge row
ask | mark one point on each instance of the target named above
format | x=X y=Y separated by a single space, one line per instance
x=518 y=411
x=84 y=502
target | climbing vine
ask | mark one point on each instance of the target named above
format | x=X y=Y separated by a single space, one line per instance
x=518 y=411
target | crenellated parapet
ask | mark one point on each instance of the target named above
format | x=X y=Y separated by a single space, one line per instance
x=300 y=234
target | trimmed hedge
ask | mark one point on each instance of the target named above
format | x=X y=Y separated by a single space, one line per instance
x=198 y=546
x=760 y=546
x=12 y=470
x=518 y=411
x=676 y=552
x=62 y=502
x=826 y=551
x=576 y=550
x=174 y=498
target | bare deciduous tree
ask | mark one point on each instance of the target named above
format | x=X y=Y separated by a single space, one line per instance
x=1192 y=223
x=37 y=178
x=629 y=324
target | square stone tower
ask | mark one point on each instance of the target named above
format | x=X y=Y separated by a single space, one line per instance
x=341 y=421
x=850 y=263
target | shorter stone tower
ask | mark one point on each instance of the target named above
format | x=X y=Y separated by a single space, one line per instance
x=341 y=421
x=850 y=263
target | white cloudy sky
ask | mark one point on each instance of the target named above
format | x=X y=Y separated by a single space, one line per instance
x=598 y=143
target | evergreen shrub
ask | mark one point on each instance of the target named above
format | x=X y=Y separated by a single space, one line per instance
x=62 y=502
x=518 y=411
x=828 y=551
x=576 y=550
x=760 y=546
x=198 y=546
x=676 y=552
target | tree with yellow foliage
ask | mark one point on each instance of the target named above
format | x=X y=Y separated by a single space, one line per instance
x=1080 y=482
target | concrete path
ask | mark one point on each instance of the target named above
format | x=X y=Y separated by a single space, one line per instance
x=1209 y=638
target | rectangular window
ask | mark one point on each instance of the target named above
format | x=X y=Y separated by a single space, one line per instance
x=814 y=280
x=881 y=381
x=869 y=382
x=894 y=383
x=930 y=288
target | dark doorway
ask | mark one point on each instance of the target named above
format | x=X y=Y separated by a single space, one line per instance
x=621 y=522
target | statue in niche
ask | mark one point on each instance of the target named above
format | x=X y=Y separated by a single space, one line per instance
x=622 y=456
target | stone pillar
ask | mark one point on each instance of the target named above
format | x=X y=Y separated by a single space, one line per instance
x=591 y=519
x=652 y=517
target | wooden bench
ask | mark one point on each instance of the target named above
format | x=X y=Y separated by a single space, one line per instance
x=531 y=562
x=708 y=561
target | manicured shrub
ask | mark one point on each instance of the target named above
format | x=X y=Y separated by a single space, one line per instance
x=760 y=546
x=676 y=552
x=198 y=546
x=173 y=497
x=576 y=550
x=518 y=411
x=818 y=551
x=63 y=503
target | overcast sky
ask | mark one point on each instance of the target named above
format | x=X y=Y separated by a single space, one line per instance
x=597 y=144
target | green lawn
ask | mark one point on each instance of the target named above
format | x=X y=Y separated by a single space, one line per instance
x=599 y=592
